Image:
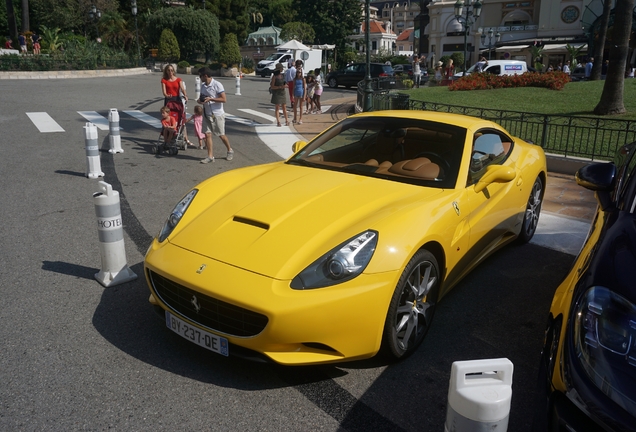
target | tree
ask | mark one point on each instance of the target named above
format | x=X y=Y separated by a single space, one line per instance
x=114 y=30
x=574 y=53
x=168 y=46
x=458 y=59
x=333 y=21
x=612 y=97
x=13 y=28
x=232 y=16
x=50 y=38
x=599 y=43
x=299 y=31
x=196 y=30
x=536 y=52
x=230 y=53
x=25 y=16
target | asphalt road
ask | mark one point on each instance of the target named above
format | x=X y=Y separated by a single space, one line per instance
x=77 y=356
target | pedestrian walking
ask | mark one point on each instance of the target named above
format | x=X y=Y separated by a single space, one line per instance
x=566 y=68
x=197 y=120
x=278 y=88
x=311 y=87
x=212 y=98
x=417 y=72
x=290 y=74
x=300 y=90
x=23 y=44
x=174 y=89
x=35 y=38
x=588 y=68
x=318 y=90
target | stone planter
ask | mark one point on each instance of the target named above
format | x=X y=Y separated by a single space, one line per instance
x=185 y=70
x=229 y=72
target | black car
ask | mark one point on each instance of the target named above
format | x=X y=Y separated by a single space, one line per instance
x=351 y=75
x=578 y=74
x=588 y=365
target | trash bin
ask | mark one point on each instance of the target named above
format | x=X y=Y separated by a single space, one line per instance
x=400 y=101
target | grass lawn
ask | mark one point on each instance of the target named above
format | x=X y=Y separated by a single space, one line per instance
x=577 y=98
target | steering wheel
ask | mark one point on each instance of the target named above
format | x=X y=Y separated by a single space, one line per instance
x=435 y=158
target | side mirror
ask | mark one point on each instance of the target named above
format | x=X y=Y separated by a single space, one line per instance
x=495 y=174
x=298 y=145
x=598 y=177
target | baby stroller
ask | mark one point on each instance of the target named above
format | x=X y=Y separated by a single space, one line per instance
x=177 y=107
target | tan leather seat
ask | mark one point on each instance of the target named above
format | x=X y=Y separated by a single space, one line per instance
x=420 y=168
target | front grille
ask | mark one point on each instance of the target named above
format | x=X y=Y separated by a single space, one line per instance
x=214 y=314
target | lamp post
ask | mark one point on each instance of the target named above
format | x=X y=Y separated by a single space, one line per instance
x=95 y=14
x=490 y=36
x=368 y=91
x=465 y=18
x=133 y=4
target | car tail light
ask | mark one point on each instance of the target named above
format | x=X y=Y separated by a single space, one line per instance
x=383 y=74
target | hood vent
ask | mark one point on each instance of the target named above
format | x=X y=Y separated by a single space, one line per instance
x=251 y=222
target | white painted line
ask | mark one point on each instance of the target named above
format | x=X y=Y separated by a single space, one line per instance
x=279 y=139
x=560 y=233
x=44 y=122
x=97 y=119
x=146 y=118
x=241 y=120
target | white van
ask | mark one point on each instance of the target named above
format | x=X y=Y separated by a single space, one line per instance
x=500 y=67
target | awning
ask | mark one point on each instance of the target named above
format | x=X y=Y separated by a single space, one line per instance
x=512 y=48
x=554 y=47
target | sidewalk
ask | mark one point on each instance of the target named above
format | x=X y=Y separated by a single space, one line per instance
x=563 y=197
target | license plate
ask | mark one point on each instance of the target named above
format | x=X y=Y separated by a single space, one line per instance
x=200 y=337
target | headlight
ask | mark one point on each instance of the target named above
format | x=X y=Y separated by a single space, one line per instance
x=176 y=215
x=342 y=263
x=604 y=339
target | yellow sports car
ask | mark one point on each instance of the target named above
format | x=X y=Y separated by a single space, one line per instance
x=346 y=247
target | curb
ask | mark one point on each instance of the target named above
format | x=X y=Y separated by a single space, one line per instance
x=101 y=73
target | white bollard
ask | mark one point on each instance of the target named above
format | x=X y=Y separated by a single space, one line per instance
x=111 y=238
x=113 y=126
x=197 y=88
x=238 y=85
x=93 y=163
x=479 y=396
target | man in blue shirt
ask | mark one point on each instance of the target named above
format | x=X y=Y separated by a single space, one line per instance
x=588 y=68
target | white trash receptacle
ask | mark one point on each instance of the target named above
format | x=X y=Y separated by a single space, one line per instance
x=479 y=396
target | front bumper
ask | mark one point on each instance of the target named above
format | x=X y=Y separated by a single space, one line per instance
x=342 y=322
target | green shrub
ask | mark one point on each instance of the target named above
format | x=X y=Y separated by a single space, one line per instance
x=168 y=46
x=230 y=53
x=183 y=64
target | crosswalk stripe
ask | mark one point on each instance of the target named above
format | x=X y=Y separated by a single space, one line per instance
x=44 y=122
x=148 y=119
x=258 y=114
x=96 y=118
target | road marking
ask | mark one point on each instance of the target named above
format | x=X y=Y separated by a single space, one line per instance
x=148 y=119
x=44 y=122
x=278 y=139
x=96 y=118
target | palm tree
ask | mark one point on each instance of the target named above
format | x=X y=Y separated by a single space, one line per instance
x=612 y=97
x=114 y=31
x=25 y=16
x=13 y=28
x=600 y=42
x=574 y=53
x=535 y=54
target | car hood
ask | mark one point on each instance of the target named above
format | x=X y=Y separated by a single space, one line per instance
x=278 y=222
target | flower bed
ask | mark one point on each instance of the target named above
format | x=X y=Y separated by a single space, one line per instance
x=485 y=81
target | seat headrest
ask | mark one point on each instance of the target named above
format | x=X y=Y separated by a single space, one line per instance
x=420 y=167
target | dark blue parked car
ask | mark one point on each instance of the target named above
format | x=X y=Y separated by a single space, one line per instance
x=588 y=367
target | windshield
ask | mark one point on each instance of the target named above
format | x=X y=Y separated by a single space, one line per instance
x=274 y=56
x=400 y=149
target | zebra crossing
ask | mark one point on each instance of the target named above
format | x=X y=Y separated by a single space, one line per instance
x=278 y=139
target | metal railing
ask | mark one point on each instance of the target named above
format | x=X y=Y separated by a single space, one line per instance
x=593 y=138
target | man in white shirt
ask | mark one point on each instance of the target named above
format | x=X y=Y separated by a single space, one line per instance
x=212 y=98
x=566 y=68
x=290 y=74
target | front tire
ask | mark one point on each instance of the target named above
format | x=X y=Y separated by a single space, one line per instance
x=333 y=83
x=412 y=306
x=533 y=210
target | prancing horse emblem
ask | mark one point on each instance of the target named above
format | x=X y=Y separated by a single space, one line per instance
x=456 y=207
x=201 y=269
x=195 y=303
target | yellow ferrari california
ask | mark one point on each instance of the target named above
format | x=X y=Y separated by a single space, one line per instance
x=345 y=248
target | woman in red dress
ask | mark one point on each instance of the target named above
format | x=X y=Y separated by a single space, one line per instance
x=171 y=85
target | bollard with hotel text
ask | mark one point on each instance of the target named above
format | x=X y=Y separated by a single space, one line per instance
x=93 y=164
x=197 y=88
x=113 y=129
x=110 y=228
